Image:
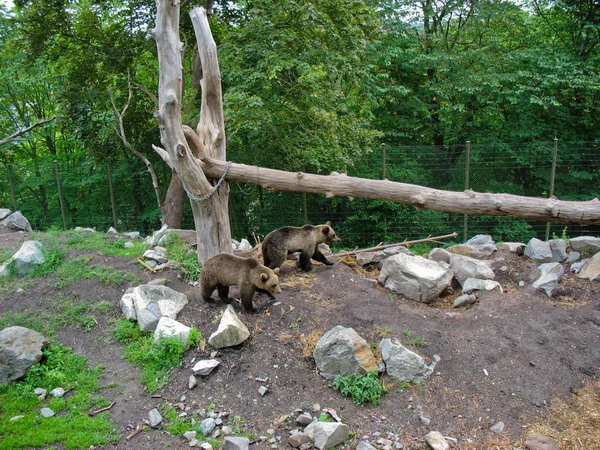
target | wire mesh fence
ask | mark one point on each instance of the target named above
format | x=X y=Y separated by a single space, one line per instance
x=81 y=192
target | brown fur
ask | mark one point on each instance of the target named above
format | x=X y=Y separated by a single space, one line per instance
x=279 y=243
x=224 y=270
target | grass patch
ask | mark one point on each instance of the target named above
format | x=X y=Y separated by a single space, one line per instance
x=154 y=359
x=411 y=339
x=361 y=388
x=72 y=426
x=185 y=257
x=78 y=269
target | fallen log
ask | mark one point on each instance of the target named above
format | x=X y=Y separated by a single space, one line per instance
x=467 y=202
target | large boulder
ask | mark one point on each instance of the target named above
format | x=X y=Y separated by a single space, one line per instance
x=414 y=277
x=473 y=251
x=465 y=267
x=16 y=222
x=24 y=260
x=147 y=303
x=171 y=329
x=342 y=351
x=585 y=244
x=591 y=268
x=20 y=348
x=402 y=363
x=558 y=247
x=551 y=275
x=539 y=251
x=231 y=331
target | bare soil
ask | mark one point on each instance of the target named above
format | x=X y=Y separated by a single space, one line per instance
x=505 y=358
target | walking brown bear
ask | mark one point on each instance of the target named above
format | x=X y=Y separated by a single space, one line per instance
x=306 y=240
x=224 y=270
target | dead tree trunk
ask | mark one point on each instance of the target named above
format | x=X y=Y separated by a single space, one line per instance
x=467 y=202
x=209 y=206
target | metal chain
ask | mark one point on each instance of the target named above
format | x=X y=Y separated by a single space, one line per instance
x=213 y=190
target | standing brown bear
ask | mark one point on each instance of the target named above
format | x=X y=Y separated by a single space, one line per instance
x=305 y=240
x=224 y=270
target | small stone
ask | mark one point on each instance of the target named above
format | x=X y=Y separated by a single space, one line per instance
x=189 y=435
x=227 y=430
x=46 y=412
x=154 y=418
x=207 y=425
x=15 y=418
x=40 y=392
x=206 y=446
x=437 y=441
x=192 y=382
x=498 y=427
x=316 y=407
x=57 y=392
x=262 y=390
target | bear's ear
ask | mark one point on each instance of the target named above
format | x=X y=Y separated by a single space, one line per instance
x=328 y=223
x=264 y=276
x=276 y=271
x=325 y=230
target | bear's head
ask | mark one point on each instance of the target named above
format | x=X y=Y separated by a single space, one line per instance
x=329 y=233
x=269 y=281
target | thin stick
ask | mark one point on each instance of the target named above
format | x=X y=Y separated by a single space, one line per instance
x=381 y=247
x=93 y=413
x=146 y=265
x=138 y=431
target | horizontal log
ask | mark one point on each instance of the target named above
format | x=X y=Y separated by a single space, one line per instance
x=467 y=202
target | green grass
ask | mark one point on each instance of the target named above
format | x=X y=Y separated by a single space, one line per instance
x=361 y=388
x=417 y=341
x=72 y=426
x=154 y=360
x=185 y=257
x=77 y=269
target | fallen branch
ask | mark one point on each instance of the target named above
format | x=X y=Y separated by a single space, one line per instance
x=405 y=243
x=146 y=265
x=138 y=431
x=98 y=411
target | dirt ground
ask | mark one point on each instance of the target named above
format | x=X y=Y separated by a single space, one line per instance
x=503 y=359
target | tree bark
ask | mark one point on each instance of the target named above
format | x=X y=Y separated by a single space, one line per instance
x=467 y=202
x=211 y=216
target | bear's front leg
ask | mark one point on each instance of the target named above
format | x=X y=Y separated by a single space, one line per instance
x=318 y=256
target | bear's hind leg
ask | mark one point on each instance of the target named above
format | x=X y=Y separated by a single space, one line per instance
x=247 y=301
x=224 y=293
x=206 y=292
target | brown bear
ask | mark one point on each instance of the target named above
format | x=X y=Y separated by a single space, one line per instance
x=224 y=270
x=279 y=243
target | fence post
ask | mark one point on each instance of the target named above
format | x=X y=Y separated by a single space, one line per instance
x=552 y=179
x=12 y=187
x=383 y=162
x=467 y=169
x=305 y=207
x=60 y=200
x=112 y=195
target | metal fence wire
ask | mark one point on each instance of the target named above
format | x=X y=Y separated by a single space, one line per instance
x=83 y=192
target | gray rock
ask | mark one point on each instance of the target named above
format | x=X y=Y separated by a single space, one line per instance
x=573 y=256
x=585 y=244
x=513 y=247
x=473 y=251
x=591 y=268
x=244 y=245
x=537 y=441
x=151 y=302
x=40 y=392
x=474 y=284
x=17 y=222
x=498 y=427
x=46 y=412
x=23 y=261
x=402 y=363
x=551 y=275
x=415 y=277
x=157 y=236
x=559 y=249
x=391 y=251
x=439 y=254
x=437 y=441
x=262 y=390
x=132 y=235
x=57 y=392
x=159 y=257
x=465 y=300
x=341 y=351
x=576 y=267
x=465 y=267
x=192 y=382
x=366 y=258
x=171 y=329
x=480 y=240
x=189 y=435
x=4 y=213
x=155 y=418
x=235 y=443
x=327 y=434
x=304 y=419
x=205 y=366
x=231 y=331
x=20 y=348
x=297 y=439
x=538 y=250
x=364 y=445
x=207 y=425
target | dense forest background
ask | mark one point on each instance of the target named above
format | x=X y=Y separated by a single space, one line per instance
x=396 y=89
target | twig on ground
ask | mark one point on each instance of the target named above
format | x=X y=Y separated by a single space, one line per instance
x=146 y=265
x=405 y=243
x=93 y=413
x=138 y=431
